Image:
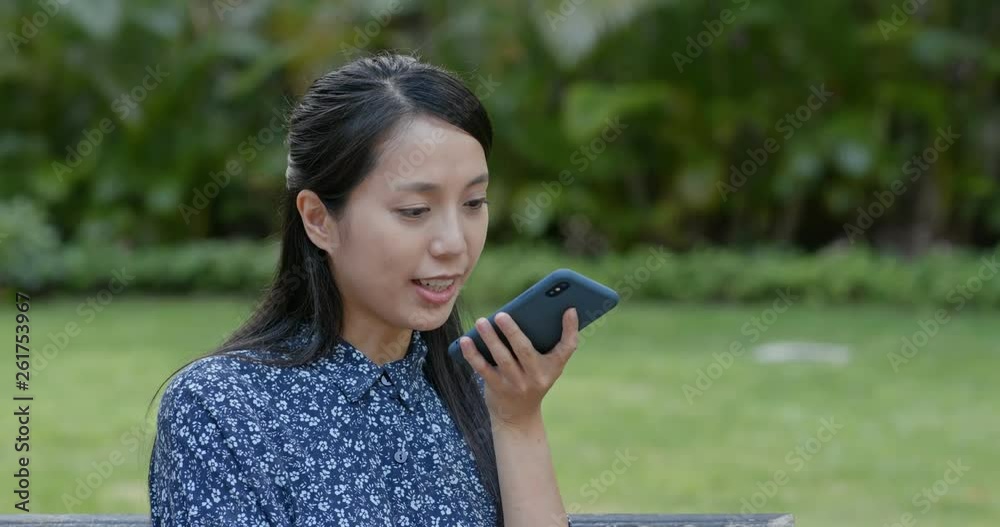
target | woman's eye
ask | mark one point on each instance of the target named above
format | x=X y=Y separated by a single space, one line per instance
x=413 y=213
x=418 y=212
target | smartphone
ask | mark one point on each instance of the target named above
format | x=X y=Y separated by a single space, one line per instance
x=538 y=311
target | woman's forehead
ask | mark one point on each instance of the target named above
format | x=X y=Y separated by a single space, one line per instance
x=428 y=155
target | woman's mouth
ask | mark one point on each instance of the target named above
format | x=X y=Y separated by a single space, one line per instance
x=436 y=291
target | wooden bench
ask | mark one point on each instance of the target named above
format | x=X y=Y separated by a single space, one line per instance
x=579 y=520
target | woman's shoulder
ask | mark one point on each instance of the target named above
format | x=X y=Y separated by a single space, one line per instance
x=219 y=382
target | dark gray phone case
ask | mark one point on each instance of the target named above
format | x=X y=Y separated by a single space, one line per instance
x=538 y=311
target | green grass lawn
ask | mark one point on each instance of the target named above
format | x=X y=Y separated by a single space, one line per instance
x=755 y=431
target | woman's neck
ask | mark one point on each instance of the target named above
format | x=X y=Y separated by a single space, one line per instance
x=381 y=346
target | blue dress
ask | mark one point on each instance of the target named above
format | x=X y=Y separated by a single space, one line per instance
x=338 y=442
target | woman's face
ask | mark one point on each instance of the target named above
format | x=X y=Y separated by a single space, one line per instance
x=418 y=215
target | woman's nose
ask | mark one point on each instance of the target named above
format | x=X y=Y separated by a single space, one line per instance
x=450 y=238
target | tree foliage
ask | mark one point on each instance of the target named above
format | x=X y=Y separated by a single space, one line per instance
x=617 y=122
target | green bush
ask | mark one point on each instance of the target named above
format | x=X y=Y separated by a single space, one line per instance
x=28 y=244
x=843 y=276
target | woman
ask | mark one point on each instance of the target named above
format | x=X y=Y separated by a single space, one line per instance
x=336 y=402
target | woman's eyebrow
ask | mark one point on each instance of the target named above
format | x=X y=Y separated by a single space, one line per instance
x=423 y=186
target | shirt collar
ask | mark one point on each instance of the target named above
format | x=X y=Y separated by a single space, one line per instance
x=356 y=374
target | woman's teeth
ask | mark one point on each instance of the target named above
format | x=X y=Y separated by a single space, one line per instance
x=436 y=285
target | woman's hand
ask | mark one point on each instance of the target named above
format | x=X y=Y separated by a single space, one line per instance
x=515 y=388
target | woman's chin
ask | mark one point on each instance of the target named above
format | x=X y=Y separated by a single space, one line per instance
x=431 y=318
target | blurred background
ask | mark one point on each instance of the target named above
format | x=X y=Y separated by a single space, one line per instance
x=798 y=202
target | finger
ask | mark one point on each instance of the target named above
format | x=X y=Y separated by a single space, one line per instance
x=570 y=335
x=505 y=361
x=520 y=344
x=477 y=361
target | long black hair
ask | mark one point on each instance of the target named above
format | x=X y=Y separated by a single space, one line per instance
x=335 y=133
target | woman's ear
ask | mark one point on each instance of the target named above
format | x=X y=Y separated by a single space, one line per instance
x=319 y=224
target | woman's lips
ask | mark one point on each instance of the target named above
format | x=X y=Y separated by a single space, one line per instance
x=435 y=297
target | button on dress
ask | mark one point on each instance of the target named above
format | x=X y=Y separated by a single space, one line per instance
x=338 y=442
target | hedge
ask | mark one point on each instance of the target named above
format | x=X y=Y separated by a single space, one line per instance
x=843 y=276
